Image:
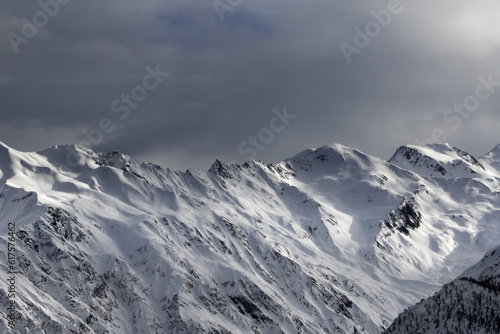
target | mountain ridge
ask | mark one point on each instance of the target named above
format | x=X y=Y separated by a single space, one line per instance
x=329 y=240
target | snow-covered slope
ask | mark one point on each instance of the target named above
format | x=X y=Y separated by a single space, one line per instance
x=469 y=304
x=329 y=241
x=437 y=160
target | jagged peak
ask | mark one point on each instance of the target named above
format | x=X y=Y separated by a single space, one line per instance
x=116 y=159
x=407 y=151
x=221 y=169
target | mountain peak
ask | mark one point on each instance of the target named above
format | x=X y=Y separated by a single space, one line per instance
x=323 y=153
x=436 y=160
x=441 y=147
x=69 y=155
x=221 y=169
x=496 y=149
x=494 y=154
x=116 y=159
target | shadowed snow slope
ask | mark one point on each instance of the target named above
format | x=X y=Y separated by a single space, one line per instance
x=329 y=241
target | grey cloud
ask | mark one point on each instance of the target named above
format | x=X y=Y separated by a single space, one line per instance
x=226 y=77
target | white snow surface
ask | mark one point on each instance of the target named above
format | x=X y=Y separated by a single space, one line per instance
x=467 y=305
x=331 y=240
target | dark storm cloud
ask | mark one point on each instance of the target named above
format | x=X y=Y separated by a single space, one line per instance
x=226 y=77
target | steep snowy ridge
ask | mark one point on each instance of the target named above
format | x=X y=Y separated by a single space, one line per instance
x=487 y=268
x=437 y=160
x=329 y=241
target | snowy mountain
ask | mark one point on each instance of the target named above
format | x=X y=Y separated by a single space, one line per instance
x=329 y=241
x=437 y=160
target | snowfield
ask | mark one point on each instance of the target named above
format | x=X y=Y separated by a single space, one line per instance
x=331 y=240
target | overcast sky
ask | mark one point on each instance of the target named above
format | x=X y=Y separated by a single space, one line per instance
x=248 y=78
